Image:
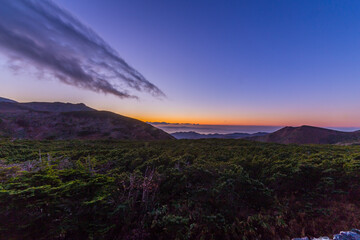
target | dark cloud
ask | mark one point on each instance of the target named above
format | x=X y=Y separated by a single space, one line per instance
x=47 y=37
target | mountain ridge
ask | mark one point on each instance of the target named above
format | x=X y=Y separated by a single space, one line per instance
x=7 y=100
x=65 y=121
x=306 y=134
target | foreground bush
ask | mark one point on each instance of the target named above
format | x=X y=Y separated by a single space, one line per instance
x=200 y=189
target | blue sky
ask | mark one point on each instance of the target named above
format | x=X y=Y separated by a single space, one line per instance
x=223 y=62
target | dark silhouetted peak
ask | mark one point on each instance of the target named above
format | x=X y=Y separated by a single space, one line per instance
x=6 y=100
x=42 y=120
x=57 y=107
x=309 y=135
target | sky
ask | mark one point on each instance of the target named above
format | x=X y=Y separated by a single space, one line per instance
x=256 y=62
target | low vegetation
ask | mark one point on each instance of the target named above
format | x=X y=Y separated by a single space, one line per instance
x=185 y=189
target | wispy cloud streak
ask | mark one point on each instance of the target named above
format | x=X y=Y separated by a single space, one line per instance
x=49 y=38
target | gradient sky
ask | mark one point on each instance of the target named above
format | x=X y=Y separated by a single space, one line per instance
x=222 y=62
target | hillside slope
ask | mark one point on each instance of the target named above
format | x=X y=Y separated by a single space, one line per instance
x=7 y=100
x=309 y=135
x=70 y=121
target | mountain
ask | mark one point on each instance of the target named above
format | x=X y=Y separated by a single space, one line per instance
x=195 y=135
x=6 y=100
x=309 y=135
x=57 y=107
x=39 y=120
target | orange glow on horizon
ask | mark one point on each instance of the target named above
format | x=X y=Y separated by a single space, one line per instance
x=246 y=122
x=276 y=118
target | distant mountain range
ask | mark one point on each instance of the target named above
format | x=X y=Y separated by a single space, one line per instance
x=309 y=135
x=195 y=135
x=286 y=135
x=39 y=120
x=43 y=120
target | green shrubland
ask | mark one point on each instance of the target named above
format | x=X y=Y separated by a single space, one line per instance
x=176 y=189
